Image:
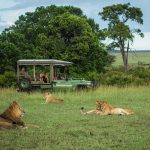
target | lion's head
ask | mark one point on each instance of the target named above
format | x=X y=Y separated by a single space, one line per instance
x=49 y=98
x=103 y=106
x=47 y=94
x=13 y=113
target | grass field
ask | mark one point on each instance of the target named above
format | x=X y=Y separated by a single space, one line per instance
x=62 y=127
x=134 y=58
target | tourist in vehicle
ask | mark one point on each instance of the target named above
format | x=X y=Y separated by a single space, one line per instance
x=44 y=77
x=24 y=73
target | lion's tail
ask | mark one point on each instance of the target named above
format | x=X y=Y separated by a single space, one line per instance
x=81 y=111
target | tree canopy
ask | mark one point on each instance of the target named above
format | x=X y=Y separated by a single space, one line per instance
x=118 y=17
x=58 y=33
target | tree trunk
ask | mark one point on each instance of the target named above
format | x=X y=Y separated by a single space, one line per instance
x=125 y=57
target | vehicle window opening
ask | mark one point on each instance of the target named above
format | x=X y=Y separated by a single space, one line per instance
x=60 y=72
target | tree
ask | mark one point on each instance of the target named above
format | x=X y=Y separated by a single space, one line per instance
x=58 y=33
x=118 y=17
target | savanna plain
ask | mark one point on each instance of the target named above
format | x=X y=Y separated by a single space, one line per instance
x=62 y=127
x=134 y=58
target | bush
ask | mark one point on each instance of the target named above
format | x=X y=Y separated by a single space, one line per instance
x=8 y=79
x=116 y=78
x=92 y=76
x=141 y=72
x=2 y=81
x=135 y=76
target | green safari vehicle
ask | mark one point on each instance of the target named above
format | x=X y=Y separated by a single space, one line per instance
x=47 y=74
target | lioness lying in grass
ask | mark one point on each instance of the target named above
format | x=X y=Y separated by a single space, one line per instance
x=104 y=108
x=50 y=99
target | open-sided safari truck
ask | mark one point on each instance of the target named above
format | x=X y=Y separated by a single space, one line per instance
x=47 y=74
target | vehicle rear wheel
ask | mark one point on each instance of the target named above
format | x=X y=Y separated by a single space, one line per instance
x=24 y=84
x=94 y=83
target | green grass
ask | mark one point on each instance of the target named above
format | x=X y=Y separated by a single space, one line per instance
x=134 y=58
x=62 y=127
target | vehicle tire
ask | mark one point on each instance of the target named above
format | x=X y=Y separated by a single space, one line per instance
x=81 y=87
x=24 y=84
x=94 y=83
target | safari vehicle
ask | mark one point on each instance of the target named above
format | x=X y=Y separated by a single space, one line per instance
x=47 y=74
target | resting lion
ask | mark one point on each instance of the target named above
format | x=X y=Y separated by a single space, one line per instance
x=104 y=108
x=11 y=117
x=50 y=99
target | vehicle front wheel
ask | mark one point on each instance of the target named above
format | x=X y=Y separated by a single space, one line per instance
x=24 y=84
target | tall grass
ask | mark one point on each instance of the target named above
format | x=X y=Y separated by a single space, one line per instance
x=62 y=127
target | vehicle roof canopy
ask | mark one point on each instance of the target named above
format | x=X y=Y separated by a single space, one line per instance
x=43 y=62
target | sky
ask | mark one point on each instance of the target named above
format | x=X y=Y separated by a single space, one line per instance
x=10 y=10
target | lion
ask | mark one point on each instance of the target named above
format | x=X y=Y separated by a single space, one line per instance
x=107 y=109
x=50 y=99
x=11 y=117
x=104 y=108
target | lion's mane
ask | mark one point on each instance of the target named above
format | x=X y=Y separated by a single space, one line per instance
x=11 y=117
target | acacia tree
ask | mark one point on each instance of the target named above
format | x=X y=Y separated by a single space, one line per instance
x=118 y=17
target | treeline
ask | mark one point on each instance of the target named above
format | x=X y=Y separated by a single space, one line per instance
x=55 y=32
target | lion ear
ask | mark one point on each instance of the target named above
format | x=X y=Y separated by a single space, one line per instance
x=14 y=102
x=46 y=93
